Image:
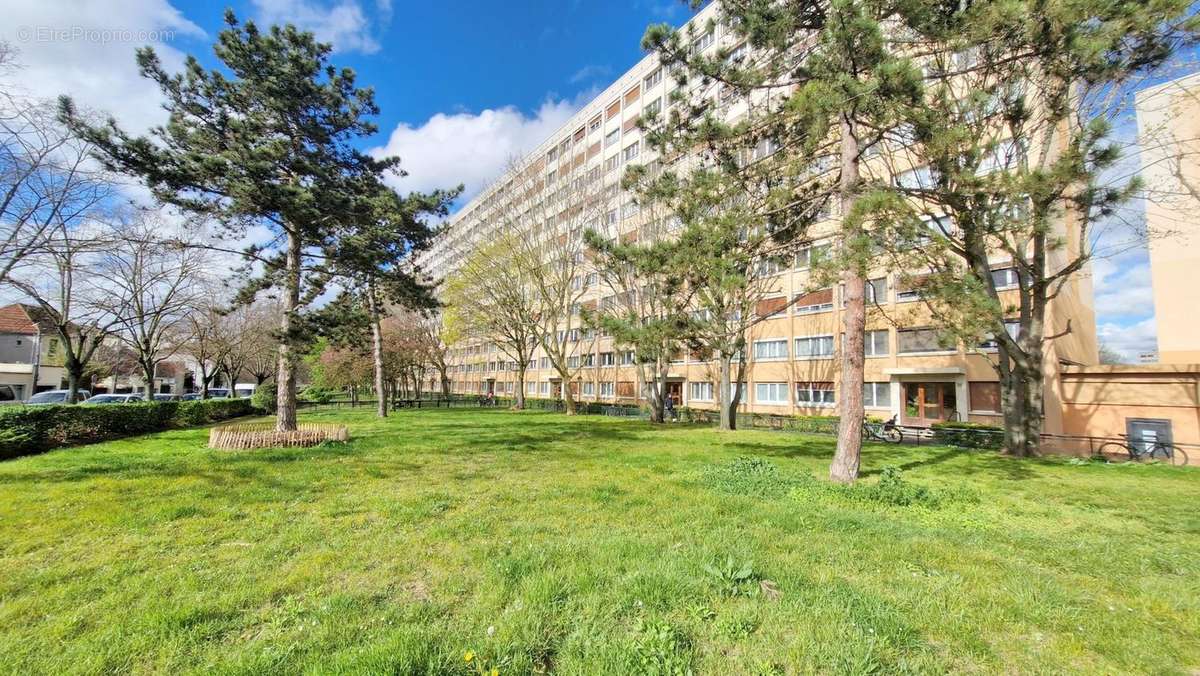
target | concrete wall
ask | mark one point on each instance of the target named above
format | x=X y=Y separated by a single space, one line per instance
x=1099 y=400
x=1169 y=131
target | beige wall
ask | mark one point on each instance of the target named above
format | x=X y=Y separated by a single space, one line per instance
x=1099 y=400
x=1169 y=132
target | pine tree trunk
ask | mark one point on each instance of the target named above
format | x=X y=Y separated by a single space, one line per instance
x=381 y=404
x=285 y=397
x=844 y=467
x=725 y=396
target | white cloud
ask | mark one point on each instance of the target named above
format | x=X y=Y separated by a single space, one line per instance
x=470 y=148
x=590 y=72
x=343 y=23
x=1129 y=340
x=1122 y=288
x=86 y=50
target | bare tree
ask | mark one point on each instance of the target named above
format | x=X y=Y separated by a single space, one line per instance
x=153 y=287
x=205 y=344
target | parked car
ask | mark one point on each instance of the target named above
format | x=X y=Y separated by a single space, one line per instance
x=190 y=396
x=218 y=392
x=166 y=397
x=114 y=399
x=56 y=397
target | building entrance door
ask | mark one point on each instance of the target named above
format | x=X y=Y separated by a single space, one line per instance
x=927 y=403
x=675 y=390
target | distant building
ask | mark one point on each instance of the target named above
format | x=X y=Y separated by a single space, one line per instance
x=1169 y=126
x=31 y=354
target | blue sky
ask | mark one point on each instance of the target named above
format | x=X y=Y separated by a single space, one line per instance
x=464 y=86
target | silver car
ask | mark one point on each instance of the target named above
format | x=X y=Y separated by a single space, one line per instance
x=114 y=399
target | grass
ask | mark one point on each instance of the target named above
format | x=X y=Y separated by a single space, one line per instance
x=542 y=543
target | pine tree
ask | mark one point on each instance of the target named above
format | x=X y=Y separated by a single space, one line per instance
x=266 y=140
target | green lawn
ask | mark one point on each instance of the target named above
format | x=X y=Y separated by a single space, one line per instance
x=542 y=543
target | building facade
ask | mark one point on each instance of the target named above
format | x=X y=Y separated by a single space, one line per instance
x=792 y=355
x=31 y=358
x=1169 y=127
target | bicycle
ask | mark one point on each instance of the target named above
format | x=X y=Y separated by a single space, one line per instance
x=887 y=432
x=1144 y=451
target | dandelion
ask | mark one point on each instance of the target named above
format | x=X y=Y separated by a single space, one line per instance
x=491 y=630
x=495 y=671
x=468 y=656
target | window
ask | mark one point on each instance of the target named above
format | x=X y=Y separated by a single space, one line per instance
x=700 y=391
x=814 y=394
x=531 y=387
x=545 y=362
x=875 y=343
x=51 y=348
x=545 y=388
x=654 y=78
x=628 y=358
x=612 y=163
x=587 y=359
x=810 y=255
x=629 y=209
x=771 y=393
x=770 y=349
x=877 y=395
x=594 y=125
x=814 y=347
x=612 y=137
x=703 y=42
x=985 y=397
x=631 y=151
x=920 y=178
x=910 y=290
x=653 y=107
x=817 y=301
x=771 y=265
x=552 y=155
x=589 y=389
x=551 y=177
x=1004 y=278
x=876 y=290
x=607 y=359
x=607 y=389
x=915 y=341
x=1011 y=326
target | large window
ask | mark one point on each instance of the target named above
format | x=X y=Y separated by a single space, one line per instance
x=814 y=347
x=607 y=359
x=875 y=343
x=771 y=393
x=654 y=78
x=703 y=42
x=607 y=389
x=1004 y=278
x=700 y=391
x=814 y=394
x=631 y=150
x=612 y=137
x=877 y=395
x=589 y=389
x=545 y=387
x=810 y=255
x=915 y=341
x=1011 y=326
x=985 y=397
x=816 y=301
x=770 y=349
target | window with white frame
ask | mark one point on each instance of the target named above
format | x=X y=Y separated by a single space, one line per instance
x=771 y=393
x=607 y=359
x=594 y=125
x=921 y=178
x=814 y=347
x=612 y=137
x=1011 y=326
x=774 y=348
x=607 y=389
x=875 y=343
x=545 y=387
x=611 y=163
x=654 y=78
x=1004 y=278
x=589 y=389
x=531 y=387
x=628 y=358
x=653 y=107
x=630 y=209
x=916 y=341
x=877 y=395
x=809 y=255
x=631 y=150
x=703 y=42
x=700 y=391
x=814 y=394
x=572 y=362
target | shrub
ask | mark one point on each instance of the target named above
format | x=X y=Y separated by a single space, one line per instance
x=968 y=435
x=318 y=395
x=749 y=476
x=33 y=429
x=264 y=398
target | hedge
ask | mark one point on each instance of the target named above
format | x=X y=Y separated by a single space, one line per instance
x=968 y=435
x=33 y=429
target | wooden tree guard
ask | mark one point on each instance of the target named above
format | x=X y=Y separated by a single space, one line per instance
x=239 y=437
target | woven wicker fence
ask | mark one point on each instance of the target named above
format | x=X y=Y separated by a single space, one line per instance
x=236 y=437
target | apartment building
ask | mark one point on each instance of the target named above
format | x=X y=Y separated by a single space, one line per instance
x=793 y=353
x=1169 y=126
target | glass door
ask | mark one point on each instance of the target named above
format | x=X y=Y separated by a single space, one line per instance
x=927 y=403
